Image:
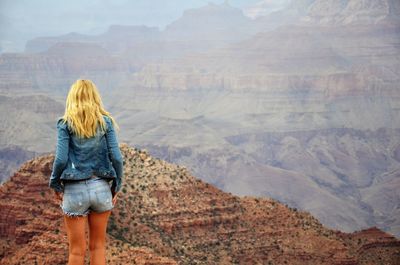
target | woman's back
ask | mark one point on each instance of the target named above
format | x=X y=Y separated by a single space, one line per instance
x=90 y=156
x=87 y=144
x=87 y=156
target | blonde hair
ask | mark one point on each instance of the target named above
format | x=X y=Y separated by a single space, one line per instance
x=84 y=109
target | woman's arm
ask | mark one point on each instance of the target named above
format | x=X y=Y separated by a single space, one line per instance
x=61 y=157
x=115 y=156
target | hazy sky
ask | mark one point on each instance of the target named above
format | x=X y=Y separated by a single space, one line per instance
x=21 y=20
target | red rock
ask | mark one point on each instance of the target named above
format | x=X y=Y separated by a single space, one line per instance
x=172 y=217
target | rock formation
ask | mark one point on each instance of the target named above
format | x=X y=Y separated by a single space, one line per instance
x=164 y=215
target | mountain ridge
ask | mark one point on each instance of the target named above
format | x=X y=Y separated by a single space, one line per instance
x=166 y=216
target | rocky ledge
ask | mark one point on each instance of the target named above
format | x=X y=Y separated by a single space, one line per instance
x=165 y=215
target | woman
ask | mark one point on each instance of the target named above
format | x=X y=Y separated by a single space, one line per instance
x=87 y=159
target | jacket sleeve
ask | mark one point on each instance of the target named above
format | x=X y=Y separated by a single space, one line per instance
x=115 y=156
x=61 y=156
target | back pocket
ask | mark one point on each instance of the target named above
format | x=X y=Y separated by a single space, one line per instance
x=74 y=201
x=103 y=199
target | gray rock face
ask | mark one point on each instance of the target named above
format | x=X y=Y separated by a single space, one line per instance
x=353 y=11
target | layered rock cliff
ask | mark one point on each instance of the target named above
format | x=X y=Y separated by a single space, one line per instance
x=166 y=216
x=23 y=135
x=353 y=11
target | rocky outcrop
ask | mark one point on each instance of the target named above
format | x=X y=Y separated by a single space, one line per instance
x=166 y=216
x=31 y=225
x=353 y=12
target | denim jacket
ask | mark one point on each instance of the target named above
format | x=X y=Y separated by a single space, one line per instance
x=79 y=158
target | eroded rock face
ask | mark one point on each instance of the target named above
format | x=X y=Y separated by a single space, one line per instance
x=166 y=216
x=353 y=11
x=31 y=224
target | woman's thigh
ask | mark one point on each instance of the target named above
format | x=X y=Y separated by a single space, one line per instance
x=76 y=232
x=97 y=228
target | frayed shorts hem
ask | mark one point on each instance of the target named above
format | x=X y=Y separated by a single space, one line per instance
x=88 y=211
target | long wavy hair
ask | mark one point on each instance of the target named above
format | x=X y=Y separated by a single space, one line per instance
x=84 y=109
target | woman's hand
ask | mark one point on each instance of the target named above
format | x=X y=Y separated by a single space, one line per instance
x=58 y=196
x=114 y=199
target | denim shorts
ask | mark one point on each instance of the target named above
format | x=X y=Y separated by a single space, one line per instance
x=83 y=196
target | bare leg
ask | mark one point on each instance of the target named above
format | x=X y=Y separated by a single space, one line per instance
x=76 y=239
x=97 y=237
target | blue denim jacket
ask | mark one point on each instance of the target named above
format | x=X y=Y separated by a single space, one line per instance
x=79 y=158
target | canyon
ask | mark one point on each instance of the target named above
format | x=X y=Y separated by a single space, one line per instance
x=301 y=105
